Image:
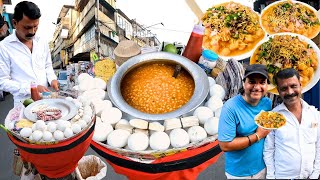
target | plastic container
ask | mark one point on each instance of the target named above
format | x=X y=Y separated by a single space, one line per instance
x=208 y=60
x=35 y=95
x=193 y=49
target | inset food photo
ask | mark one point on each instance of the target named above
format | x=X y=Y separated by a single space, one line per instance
x=231 y=30
x=290 y=16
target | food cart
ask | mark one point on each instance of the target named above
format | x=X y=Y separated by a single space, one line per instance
x=53 y=157
x=176 y=163
x=133 y=168
x=56 y=160
x=185 y=162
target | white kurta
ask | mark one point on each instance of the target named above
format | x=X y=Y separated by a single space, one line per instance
x=19 y=66
x=293 y=151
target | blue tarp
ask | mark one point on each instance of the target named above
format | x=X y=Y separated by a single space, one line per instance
x=312 y=96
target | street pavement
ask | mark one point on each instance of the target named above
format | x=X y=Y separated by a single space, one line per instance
x=213 y=172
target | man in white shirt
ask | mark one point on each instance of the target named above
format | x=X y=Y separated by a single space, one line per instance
x=293 y=151
x=23 y=57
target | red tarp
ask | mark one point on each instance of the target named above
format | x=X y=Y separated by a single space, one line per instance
x=183 y=165
x=57 y=160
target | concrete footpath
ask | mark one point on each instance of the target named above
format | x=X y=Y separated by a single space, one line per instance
x=214 y=172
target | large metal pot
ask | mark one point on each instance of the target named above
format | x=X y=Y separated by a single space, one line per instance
x=200 y=79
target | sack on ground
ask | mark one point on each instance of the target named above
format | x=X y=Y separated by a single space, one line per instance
x=91 y=168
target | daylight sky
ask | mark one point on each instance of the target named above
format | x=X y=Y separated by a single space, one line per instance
x=176 y=16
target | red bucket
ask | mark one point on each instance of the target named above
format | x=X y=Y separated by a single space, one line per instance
x=184 y=165
x=56 y=160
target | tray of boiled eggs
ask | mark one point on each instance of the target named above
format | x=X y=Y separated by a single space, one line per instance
x=50 y=121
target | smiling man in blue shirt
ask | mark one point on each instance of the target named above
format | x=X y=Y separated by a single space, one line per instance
x=239 y=137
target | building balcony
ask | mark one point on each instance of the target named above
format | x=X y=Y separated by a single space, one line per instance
x=84 y=47
x=85 y=18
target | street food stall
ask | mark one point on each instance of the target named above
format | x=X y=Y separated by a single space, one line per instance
x=49 y=136
x=165 y=144
x=234 y=32
x=155 y=115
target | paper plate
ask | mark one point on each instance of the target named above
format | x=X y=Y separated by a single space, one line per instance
x=257 y=123
x=281 y=1
x=315 y=77
x=68 y=109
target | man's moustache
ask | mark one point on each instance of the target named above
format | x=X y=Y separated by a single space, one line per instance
x=290 y=96
x=30 y=35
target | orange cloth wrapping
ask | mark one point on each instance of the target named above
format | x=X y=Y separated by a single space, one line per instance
x=57 y=160
x=183 y=165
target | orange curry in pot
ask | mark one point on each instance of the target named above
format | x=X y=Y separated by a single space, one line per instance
x=150 y=88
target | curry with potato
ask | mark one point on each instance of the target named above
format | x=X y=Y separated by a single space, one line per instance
x=288 y=16
x=269 y=119
x=287 y=51
x=231 y=29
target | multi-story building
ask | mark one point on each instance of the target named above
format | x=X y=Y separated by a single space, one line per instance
x=143 y=36
x=94 y=25
x=124 y=26
x=88 y=25
x=132 y=30
x=59 y=41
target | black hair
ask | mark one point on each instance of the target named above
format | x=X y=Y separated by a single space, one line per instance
x=28 y=9
x=2 y=21
x=285 y=74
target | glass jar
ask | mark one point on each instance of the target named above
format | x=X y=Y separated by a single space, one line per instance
x=208 y=60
